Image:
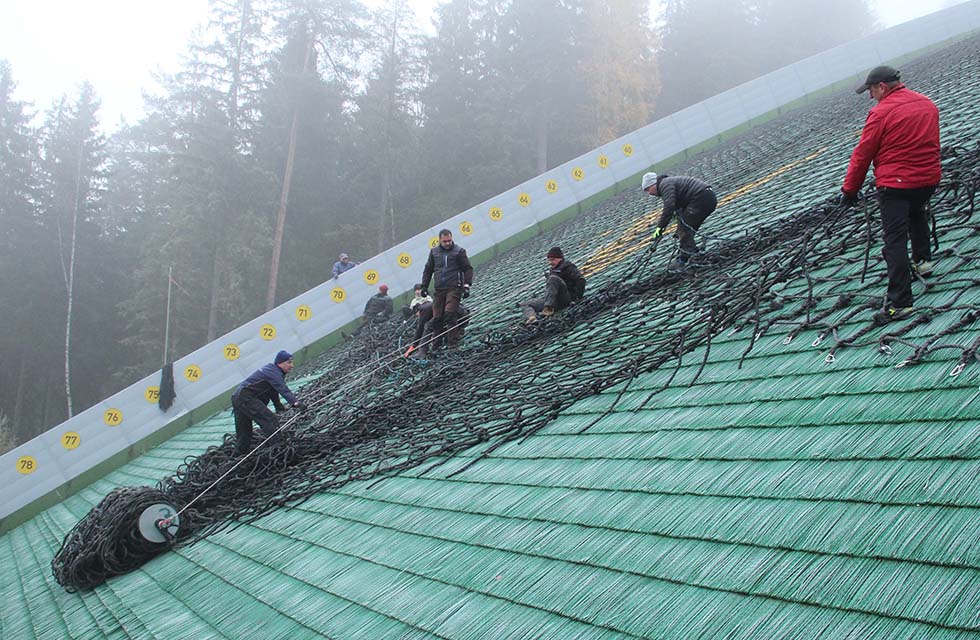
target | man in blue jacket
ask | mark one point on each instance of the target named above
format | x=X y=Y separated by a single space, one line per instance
x=448 y=267
x=251 y=401
x=342 y=265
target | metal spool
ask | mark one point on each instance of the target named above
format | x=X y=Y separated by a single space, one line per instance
x=159 y=522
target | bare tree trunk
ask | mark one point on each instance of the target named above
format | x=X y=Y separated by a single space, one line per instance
x=270 y=296
x=18 y=419
x=71 y=279
x=215 y=284
x=541 y=131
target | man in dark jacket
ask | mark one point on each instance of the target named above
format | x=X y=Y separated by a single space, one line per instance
x=251 y=401
x=565 y=285
x=379 y=306
x=901 y=137
x=691 y=199
x=450 y=268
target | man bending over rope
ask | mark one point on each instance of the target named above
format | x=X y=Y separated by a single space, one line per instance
x=691 y=199
x=251 y=401
x=565 y=285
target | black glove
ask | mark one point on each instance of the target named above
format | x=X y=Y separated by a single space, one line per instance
x=300 y=406
x=424 y=292
x=847 y=199
x=466 y=291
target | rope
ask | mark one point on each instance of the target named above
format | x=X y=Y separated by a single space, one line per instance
x=374 y=413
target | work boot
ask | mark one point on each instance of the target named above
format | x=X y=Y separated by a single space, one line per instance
x=892 y=314
x=923 y=268
x=530 y=319
x=548 y=311
x=677 y=265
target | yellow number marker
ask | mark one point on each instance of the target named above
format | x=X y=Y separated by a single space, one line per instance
x=267 y=331
x=70 y=440
x=26 y=465
x=192 y=372
x=112 y=417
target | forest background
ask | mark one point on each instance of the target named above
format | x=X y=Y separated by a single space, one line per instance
x=354 y=128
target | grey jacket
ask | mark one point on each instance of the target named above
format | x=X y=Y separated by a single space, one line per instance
x=677 y=192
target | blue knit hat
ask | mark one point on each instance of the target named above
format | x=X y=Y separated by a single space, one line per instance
x=283 y=356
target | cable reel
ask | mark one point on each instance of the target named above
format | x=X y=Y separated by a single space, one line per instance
x=159 y=523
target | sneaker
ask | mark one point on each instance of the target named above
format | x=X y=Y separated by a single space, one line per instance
x=892 y=314
x=548 y=311
x=677 y=265
x=923 y=268
x=528 y=321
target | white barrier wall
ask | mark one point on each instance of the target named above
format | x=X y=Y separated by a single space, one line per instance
x=42 y=465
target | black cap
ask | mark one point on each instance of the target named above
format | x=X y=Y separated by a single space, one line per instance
x=883 y=73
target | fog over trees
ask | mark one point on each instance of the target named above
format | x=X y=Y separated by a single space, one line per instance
x=350 y=130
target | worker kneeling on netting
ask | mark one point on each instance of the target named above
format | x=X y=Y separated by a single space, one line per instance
x=251 y=401
x=565 y=285
x=692 y=199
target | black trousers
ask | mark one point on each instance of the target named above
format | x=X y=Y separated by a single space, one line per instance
x=691 y=219
x=904 y=215
x=556 y=296
x=247 y=408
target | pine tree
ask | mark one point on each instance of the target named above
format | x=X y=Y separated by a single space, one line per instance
x=20 y=237
x=388 y=119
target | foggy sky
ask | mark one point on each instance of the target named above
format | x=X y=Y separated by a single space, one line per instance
x=54 y=45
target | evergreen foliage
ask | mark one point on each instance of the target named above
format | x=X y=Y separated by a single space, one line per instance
x=350 y=126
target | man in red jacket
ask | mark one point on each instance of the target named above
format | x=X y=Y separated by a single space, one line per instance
x=901 y=137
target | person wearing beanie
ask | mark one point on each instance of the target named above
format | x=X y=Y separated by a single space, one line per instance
x=564 y=285
x=379 y=307
x=250 y=401
x=449 y=269
x=342 y=265
x=410 y=310
x=692 y=200
x=901 y=138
